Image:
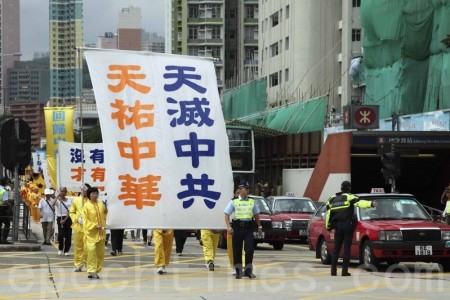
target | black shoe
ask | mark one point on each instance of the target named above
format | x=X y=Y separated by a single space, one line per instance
x=91 y=276
x=5 y=242
x=238 y=273
x=248 y=273
x=333 y=273
x=346 y=274
x=211 y=266
x=113 y=253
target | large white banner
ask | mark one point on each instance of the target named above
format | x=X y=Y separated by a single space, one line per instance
x=72 y=171
x=165 y=142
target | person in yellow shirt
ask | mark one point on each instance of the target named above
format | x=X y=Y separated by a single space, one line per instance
x=163 y=248
x=79 y=258
x=94 y=227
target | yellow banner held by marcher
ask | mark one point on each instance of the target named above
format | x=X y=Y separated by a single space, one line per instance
x=58 y=127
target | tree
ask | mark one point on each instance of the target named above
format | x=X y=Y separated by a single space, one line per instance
x=91 y=135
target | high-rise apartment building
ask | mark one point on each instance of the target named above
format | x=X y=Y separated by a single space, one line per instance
x=225 y=30
x=306 y=48
x=129 y=29
x=9 y=45
x=66 y=35
x=151 y=41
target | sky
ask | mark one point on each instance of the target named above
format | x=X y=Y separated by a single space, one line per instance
x=99 y=16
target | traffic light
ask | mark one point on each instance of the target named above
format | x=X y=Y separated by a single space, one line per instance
x=390 y=165
x=15 y=150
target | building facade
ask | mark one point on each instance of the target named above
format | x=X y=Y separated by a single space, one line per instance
x=9 y=45
x=108 y=41
x=66 y=35
x=152 y=42
x=129 y=30
x=33 y=114
x=306 y=48
x=29 y=82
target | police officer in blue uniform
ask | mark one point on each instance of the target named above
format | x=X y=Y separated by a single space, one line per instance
x=341 y=217
x=246 y=220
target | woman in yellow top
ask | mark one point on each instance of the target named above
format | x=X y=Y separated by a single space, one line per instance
x=94 y=223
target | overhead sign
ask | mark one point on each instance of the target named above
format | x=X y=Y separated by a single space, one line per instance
x=361 y=117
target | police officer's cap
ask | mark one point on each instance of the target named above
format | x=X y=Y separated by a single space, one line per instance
x=346 y=185
x=244 y=184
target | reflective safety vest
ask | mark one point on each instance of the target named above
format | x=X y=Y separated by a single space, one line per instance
x=2 y=192
x=243 y=209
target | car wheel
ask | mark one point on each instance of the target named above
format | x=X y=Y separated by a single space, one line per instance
x=278 y=245
x=368 y=260
x=222 y=241
x=325 y=257
x=445 y=265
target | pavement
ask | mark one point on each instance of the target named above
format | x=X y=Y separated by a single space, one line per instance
x=24 y=244
x=37 y=272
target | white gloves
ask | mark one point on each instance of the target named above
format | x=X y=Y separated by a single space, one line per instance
x=80 y=220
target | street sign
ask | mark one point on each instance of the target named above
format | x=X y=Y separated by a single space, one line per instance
x=361 y=117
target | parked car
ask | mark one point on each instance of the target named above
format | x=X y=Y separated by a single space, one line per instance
x=298 y=209
x=399 y=229
x=273 y=227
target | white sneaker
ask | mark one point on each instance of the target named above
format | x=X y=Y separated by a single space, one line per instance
x=160 y=270
x=164 y=270
x=59 y=252
x=66 y=254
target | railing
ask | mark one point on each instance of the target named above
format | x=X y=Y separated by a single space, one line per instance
x=25 y=220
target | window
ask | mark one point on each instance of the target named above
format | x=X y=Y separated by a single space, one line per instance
x=273 y=79
x=193 y=11
x=287 y=12
x=193 y=51
x=356 y=35
x=215 y=51
x=274 y=50
x=274 y=19
x=286 y=43
x=193 y=32
x=251 y=11
x=215 y=32
x=286 y=74
x=356 y=3
x=215 y=11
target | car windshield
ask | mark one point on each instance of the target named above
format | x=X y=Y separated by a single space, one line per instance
x=294 y=205
x=395 y=209
x=263 y=206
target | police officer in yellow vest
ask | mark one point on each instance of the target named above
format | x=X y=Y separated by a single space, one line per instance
x=246 y=213
x=341 y=217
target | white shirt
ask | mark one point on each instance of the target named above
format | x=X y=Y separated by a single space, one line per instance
x=60 y=210
x=46 y=210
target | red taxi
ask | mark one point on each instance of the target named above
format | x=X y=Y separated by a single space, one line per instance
x=273 y=227
x=298 y=209
x=399 y=229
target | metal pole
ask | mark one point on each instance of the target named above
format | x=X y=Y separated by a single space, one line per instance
x=16 y=192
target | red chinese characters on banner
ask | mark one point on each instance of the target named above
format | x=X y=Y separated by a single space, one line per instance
x=144 y=191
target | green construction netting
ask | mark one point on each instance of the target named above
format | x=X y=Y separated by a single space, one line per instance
x=407 y=68
x=306 y=116
x=244 y=100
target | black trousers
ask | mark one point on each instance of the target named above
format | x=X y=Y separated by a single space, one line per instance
x=64 y=234
x=343 y=235
x=180 y=239
x=117 y=239
x=243 y=237
x=5 y=230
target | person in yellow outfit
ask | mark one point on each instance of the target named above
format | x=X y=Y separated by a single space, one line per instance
x=75 y=211
x=94 y=227
x=210 y=240
x=163 y=248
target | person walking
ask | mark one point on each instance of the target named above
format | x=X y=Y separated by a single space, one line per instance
x=94 y=229
x=5 y=209
x=64 y=222
x=117 y=241
x=163 y=248
x=246 y=214
x=79 y=257
x=180 y=240
x=47 y=215
x=341 y=217
x=210 y=240
x=445 y=199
